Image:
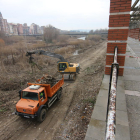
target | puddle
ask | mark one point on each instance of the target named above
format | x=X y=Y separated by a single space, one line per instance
x=76 y=52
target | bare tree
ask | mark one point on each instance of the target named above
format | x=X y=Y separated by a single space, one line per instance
x=50 y=33
x=91 y=32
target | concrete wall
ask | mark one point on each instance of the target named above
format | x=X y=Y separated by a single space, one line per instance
x=118 y=32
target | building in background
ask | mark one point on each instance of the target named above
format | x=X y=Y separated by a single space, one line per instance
x=10 y=26
x=39 y=31
x=19 y=29
x=42 y=29
x=15 y=31
x=1 y=22
x=25 y=29
x=33 y=28
x=5 y=26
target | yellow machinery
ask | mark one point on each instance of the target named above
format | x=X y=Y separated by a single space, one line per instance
x=64 y=67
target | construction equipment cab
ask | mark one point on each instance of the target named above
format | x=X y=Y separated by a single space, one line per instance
x=37 y=98
x=64 y=67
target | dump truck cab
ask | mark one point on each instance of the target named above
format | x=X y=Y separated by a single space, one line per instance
x=31 y=99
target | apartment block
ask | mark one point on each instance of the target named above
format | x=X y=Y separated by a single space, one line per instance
x=25 y=29
x=1 y=22
x=19 y=29
x=5 y=26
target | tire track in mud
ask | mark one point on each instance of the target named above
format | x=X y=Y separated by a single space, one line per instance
x=18 y=124
x=22 y=129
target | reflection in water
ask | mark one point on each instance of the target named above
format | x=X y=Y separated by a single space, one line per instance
x=76 y=52
x=83 y=38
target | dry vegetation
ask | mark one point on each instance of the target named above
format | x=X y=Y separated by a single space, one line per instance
x=78 y=96
x=15 y=69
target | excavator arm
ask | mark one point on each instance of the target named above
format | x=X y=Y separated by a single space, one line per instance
x=64 y=67
x=42 y=52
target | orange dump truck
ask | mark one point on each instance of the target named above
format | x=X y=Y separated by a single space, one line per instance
x=37 y=98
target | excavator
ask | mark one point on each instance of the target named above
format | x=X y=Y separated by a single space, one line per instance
x=64 y=67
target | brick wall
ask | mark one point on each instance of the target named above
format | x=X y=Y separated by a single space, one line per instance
x=121 y=47
x=120 y=6
x=139 y=35
x=134 y=33
x=118 y=32
x=107 y=70
x=119 y=20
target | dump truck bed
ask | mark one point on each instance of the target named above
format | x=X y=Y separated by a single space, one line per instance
x=51 y=90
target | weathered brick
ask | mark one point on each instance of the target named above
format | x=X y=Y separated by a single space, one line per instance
x=108 y=71
x=110 y=60
x=120 y=6
x=117 y=34
x=121 y=47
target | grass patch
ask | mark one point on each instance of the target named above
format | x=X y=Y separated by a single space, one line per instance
x=90 y=70
x=90 y=100
x=3 y=110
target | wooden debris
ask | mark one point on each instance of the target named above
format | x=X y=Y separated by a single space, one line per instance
x=47 y=79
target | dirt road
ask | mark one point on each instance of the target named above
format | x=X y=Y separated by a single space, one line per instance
x=58 y=123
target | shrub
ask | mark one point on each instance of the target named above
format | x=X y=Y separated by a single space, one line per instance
x=63 y=38
x=2 y=43
x=94 y=37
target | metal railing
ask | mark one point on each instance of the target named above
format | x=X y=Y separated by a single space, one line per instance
x=111 y=108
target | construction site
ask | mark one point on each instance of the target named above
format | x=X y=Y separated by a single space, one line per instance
x=74 y=90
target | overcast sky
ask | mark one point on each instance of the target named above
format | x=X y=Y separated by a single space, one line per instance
x=63 y=14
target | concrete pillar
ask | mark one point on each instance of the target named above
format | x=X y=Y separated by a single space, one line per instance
x=118 y=33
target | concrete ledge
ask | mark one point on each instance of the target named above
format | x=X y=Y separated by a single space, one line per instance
x=122 y=118
x=89 y=138
x=101 y=101
x=132 y=78
x=122 y=125
x=121 y=105
x=122 y=132
x=99 y=115
x=97 y=125
x=96 y=129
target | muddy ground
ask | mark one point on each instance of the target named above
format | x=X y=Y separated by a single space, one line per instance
x=67 y=118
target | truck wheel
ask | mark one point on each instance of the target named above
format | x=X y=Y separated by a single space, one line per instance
x=59 y=94
x=42 y=115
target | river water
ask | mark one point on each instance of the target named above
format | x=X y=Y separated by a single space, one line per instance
x=76 y=52
x=82 y=38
